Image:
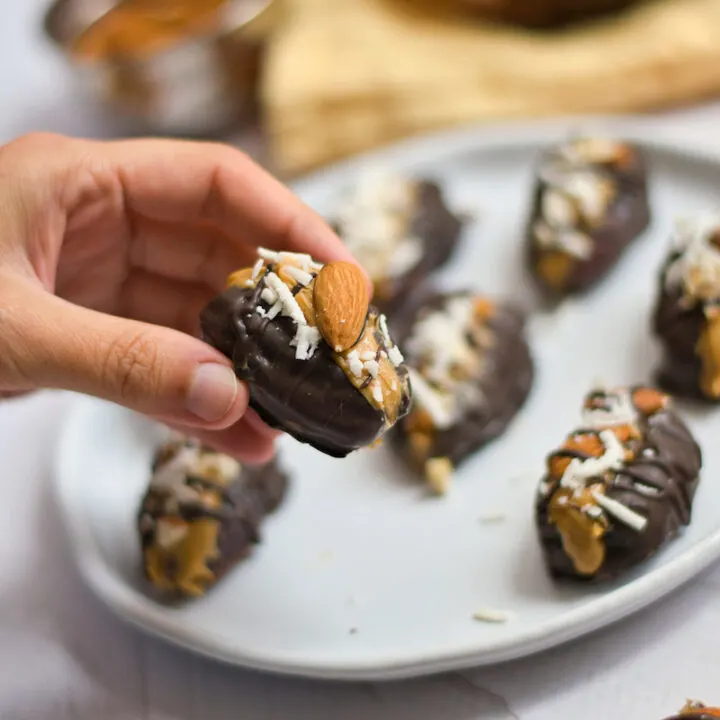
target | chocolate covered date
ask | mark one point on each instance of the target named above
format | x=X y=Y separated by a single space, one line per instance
x=590 y=203
x=318 y=360
x=201 y=515
x=619 y=488
x=471 y=371
x=687 y=315
x=399 y=230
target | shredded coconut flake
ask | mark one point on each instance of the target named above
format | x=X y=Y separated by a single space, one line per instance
x=578 y=472
x=306 y=342
x=374 y=223
x=274 y=311
x=269 y=296
x=377 y=392
x=621 y=512
x=619 y=410
x=257 y=267
x=493 y=518
x=383 y=327
x=168 y=533
x=300 y=276
x=697 y=269
x=489 y=615
x=290 y=305
x=372 y=367
x=269 y=255
x=395 y=356
x=355 y=363
x=440 y=405
x=368 y=355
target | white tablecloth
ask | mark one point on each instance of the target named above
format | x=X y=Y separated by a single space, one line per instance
x=63 y=656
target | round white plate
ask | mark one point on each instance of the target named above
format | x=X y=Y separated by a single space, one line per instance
x=362 y=575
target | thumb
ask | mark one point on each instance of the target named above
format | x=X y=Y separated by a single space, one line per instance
x=157 y=371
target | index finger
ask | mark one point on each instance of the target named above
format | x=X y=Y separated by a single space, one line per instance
x=176 y=181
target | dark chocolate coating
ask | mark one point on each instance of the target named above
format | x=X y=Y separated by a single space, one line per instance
x=673 y=470
x=546 y=13
x=438 y=230
x=627 y=216
x=312 y=400
x=679 y=328
x=505 y=383
x=256 y=492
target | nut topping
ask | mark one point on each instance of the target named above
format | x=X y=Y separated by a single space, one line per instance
x=438 y=473
x=649 y=401
x=341 y=302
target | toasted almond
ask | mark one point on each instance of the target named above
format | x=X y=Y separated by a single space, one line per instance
x=341 y=301
x=649 y=401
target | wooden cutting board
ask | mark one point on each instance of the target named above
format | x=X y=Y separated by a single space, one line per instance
x=347 y=75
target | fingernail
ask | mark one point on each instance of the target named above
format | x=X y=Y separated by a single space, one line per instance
x=212 y=392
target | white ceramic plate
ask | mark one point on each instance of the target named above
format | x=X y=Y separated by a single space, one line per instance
x=361 y=574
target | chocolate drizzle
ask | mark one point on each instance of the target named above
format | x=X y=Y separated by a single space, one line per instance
x=657 y=483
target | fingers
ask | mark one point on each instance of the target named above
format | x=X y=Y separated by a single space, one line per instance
x=188 y=251
x=48 y=342
x=173 y=181
x=157 y=300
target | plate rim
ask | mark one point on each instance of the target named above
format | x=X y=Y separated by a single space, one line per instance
x=602 y=611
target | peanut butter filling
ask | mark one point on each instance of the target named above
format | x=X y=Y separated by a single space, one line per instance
x=582 y=535
x=182 y=550
x=708 y=349
x=555 y=269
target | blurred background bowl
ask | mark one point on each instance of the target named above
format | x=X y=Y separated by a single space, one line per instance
x=172 y=67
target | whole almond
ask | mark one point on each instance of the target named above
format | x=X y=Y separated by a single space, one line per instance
x=341 y=301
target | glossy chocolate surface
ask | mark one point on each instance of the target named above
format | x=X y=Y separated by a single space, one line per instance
x=312 y=399
x=658 y=484
x=504 y=384
x=627 y=216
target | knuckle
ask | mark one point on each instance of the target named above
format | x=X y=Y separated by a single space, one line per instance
x=132 y=368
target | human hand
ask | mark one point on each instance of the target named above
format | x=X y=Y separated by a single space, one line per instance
x=108 y=253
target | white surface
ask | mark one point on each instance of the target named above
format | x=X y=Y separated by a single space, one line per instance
x=63 y=656
x=362 y=576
